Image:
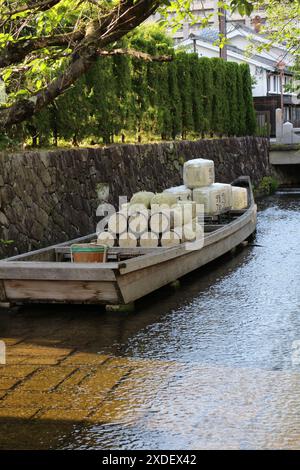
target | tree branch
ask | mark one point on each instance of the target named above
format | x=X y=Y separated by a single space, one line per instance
x=17 y=51
x=127 y=15
x=136 y=54
x=41 y=6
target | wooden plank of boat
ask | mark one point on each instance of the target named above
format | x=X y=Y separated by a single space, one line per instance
x=116 y=250
x=24 y=290
x=212 y=227
x=58 y=271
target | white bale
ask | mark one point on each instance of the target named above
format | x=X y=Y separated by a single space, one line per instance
x=182 y=193
x=177 y=216
x=190 y=232
x=163 y=219
x=198 y=173
x=163 y=198
x=106 y=238
x=239 y=198
x=185 y=233
x=117 y=222
x=189 y=210
x=142 y=197
x=149 y=240
x=138 y=222
x=170 y=238
x=213 y=199
x=125 y=206
x=198 y=229
x=127 y=240
x=136 y=207
x=227 y=193
x=186 y=210
x=160 y=220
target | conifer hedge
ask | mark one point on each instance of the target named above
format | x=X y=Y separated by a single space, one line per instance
x=122 y=96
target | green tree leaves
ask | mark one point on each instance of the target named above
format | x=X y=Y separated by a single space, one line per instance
x=250 y=117
x=66 y=36
x=122 y=96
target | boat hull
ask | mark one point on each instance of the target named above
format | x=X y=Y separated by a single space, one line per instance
x=139 y=283
x=40 y=277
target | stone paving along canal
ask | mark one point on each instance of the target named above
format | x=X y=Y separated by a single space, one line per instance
x=211 y=365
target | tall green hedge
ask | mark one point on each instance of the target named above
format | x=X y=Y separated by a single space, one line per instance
x=123 y=95
x=233 y=103
x=220 y=98
x=250 y=117
x=207 y=87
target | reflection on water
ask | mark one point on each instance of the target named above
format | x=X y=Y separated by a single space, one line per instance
x=248 y=315
x=211 y=365
x=196 y=407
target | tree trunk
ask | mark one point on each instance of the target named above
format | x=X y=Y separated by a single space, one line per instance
x=75 y=141
x=122 y=19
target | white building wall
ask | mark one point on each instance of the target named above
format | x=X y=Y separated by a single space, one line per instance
x=260 y=76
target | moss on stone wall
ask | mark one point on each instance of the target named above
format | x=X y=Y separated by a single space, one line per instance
x=267 y=186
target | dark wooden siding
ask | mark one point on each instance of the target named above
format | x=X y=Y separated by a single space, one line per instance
x=271 y=103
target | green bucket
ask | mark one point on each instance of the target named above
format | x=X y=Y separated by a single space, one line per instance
x=88 y=253
x=88 y=248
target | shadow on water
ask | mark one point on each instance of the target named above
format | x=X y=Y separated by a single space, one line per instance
x=24 y=434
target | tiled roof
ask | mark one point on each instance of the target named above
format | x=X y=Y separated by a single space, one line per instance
x=211 y=36
x=208 y=34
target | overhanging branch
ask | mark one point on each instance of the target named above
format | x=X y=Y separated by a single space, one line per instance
x=136 y=54
x=126 y=16
x=16 y=52
x=32 y=6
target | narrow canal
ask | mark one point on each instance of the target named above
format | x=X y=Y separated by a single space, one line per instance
x=214 y=364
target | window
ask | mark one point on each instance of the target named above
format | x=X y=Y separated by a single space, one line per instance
x=274 y=85
x=287 y=114
x=287 y=83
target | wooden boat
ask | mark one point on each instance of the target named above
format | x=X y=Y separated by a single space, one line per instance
x=48 y=275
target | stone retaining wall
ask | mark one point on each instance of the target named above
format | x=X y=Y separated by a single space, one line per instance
x=51 y=196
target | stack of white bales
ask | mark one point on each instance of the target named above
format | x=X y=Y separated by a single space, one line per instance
x=199 y=176
x=170 y=217
x=149 y=220
x=131 y=222
x=217 y=198
x=185 y=228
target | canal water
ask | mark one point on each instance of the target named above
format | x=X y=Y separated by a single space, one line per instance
x=214 y=364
